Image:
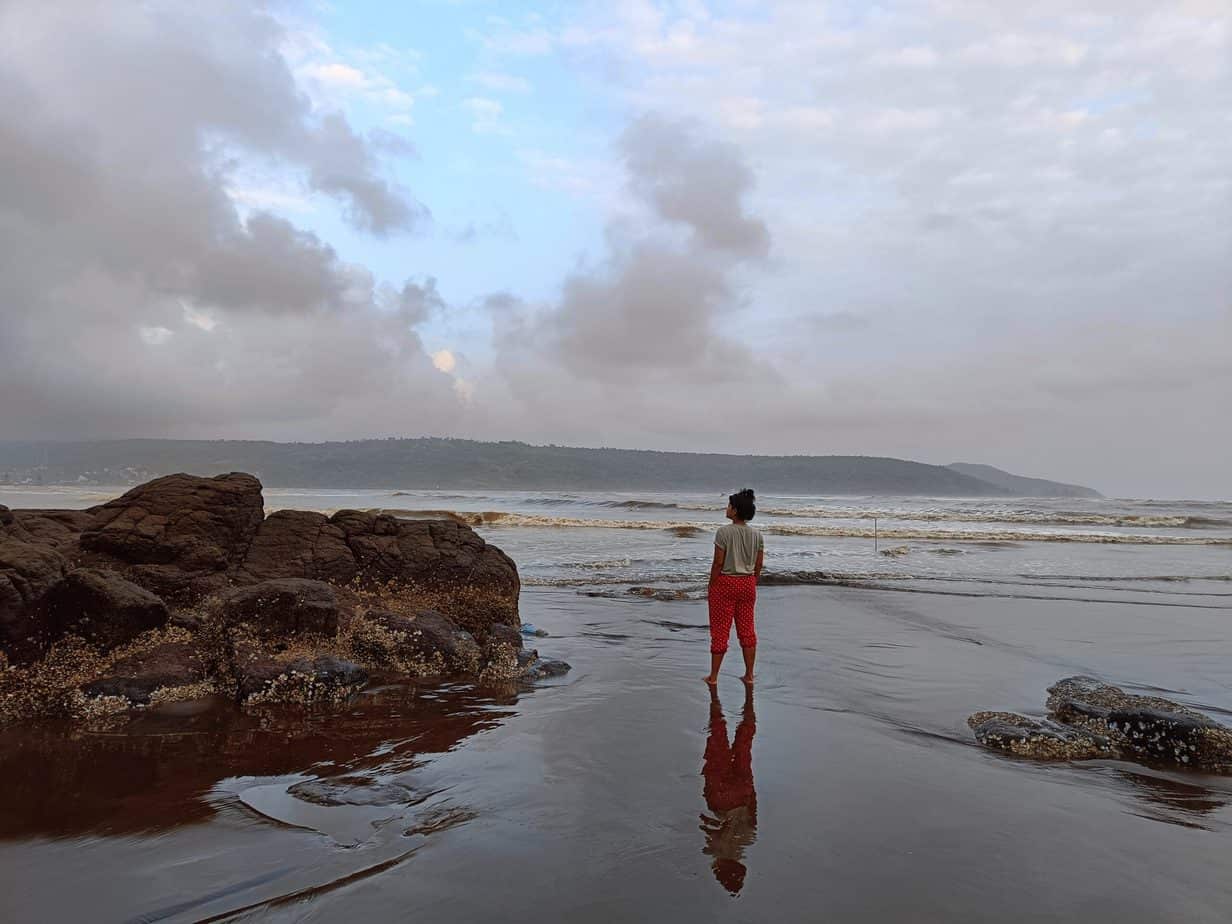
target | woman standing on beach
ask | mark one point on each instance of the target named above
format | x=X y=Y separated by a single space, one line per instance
x=739 y=553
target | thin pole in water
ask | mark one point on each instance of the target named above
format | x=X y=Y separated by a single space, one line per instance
x=874 y=535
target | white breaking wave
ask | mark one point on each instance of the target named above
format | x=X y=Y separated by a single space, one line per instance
x=1042 y=518
x=501 y=519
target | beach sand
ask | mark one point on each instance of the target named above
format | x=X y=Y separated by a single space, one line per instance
x=585 y=799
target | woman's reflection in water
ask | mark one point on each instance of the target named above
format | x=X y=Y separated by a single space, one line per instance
x=729 y=793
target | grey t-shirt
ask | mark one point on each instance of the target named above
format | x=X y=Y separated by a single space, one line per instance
x=741 y=543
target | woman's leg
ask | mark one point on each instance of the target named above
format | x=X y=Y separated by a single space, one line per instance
x=722 y=612
x=716 y=661
x=746 y=603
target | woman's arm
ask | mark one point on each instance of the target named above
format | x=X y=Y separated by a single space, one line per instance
x=716 y=566
x=761 y=561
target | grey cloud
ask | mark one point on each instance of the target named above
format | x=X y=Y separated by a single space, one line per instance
x=182 y=82
x=134 y=298
x=1014 y=251
x=836 y=321
x=698 y=180
x=651 y=315
x=272 y=261
x=418 y=302
x=1028 y=205
x=501 y=302
x=342 y=165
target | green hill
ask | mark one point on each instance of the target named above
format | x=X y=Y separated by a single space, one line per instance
x=1020 y=486
x=468 y=464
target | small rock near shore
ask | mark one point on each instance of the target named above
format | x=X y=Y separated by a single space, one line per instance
x=1092 y=718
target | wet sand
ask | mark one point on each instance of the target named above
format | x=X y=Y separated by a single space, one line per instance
x=622 y=793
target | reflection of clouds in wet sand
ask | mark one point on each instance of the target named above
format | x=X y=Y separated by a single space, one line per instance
x=730 y=795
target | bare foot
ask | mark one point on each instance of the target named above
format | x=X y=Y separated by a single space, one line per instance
x=747 y=678
x=712 y=680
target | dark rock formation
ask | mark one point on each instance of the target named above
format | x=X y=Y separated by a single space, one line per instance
x=501 y=652
x=377 y=549
x=1073 y=697
x=372 y=550
x=27 y=572
x=435 y=644
x=198 y=524
x=1016 y=734
x=539 y=669
x=257 y=609
x=167 y=666
x=505 y=635
x=523 y=665
x=299 y=544
x=352 y=790
x=284 y=607
x=1094 y=719
x=55 y=529
x=101 y=607
x=300 y=680
x=177 y=586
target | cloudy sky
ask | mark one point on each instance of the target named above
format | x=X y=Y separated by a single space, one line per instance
x=934 y=229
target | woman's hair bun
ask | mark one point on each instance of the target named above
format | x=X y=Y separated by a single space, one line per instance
x=744 y=502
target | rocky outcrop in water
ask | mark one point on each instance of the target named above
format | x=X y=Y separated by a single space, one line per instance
x=184 y=585
x=1088 y=718
x=375 y=548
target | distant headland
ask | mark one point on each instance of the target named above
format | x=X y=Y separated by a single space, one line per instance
x=473 y=465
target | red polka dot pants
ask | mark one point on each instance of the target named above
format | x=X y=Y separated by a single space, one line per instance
x=732 y=597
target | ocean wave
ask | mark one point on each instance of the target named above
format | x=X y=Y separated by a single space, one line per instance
x=1152 y=502
x=470 y=518
x=640 y=505
x=506 y=519
x=692 y=587
x=611 y=580
x=794 y=577
x=436 y=496
x=600 y=565
x=1127 y=577
x=1041 y=518
x=1008 y=535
